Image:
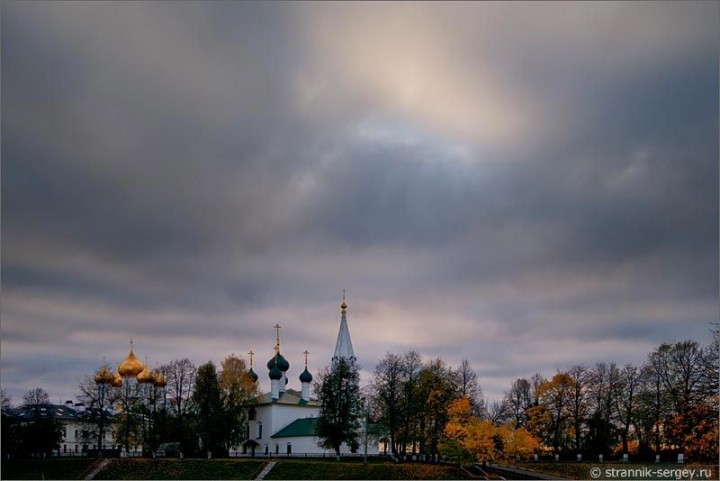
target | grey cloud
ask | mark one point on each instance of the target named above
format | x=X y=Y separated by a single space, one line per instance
x=202 y=171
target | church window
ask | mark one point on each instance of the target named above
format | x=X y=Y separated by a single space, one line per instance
x=289 y=448
x=277 y=448
x=252 y=414
x=259 y=426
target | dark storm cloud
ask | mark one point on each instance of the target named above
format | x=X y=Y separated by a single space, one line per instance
x=477 y=176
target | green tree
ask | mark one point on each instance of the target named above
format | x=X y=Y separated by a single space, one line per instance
x=206 y=398
x=338 y=391
x=438 y=387
x=387 y=395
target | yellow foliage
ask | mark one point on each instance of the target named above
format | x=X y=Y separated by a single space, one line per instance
x=481 y=439
x=518 y=443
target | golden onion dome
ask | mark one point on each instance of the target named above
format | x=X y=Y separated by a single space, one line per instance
x=104 y=376
x=117 y=382
x=145 y=376
x=131 y=365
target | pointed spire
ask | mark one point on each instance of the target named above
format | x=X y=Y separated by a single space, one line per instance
x=343 y=346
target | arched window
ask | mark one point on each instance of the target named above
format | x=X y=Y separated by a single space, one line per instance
x=289 y=448
x=259 y=430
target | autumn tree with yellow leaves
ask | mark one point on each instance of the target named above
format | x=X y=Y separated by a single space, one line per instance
x=469 y=438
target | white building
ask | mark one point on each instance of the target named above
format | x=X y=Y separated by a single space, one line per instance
x=282 y=422
x=79 y=433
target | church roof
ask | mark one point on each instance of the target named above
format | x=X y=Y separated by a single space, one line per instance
x=299 y=427
x=290 y=397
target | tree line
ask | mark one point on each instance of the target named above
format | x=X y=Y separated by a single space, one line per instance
x=666 y=406
x=200 y=407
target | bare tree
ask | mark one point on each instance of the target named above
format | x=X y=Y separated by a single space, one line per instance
x=180 y=376
x=98 y=398
x=35 y=397
x=518 y=401
x=625 y=397
x=470 y=387
x=577 y=402
x=6 y=399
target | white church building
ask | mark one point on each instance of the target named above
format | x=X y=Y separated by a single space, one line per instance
x=282 y=421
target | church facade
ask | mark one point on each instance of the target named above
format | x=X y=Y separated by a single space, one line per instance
x=283 y=420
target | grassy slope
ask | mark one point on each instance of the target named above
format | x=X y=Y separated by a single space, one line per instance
x=295 y=469
x=51 y=468
x=185 y=469
x=226 y=469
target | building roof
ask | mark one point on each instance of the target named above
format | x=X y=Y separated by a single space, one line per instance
x=299 y=427
x=289 y=397
x=48 y=411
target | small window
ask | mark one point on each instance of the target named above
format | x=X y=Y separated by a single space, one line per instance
x=277 y=448
x=289 y=448
x=259 y=436
x=252 y=414
x=267 y=450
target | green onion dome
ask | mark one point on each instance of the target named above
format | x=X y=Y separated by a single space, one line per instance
x=252 y=375
x=280 y=361
x=275 y=373
x=306 y=376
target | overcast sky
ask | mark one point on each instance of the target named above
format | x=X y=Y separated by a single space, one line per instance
x=526 y=185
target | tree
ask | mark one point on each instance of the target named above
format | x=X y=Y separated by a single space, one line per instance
x=180 y=376
x=35 y=398
x=517 y=401
x=625 y=397
x=8 y=441
x=437 y=388
x=338 y=392
x=206 y=399
x=5 y=399
x=454 y=446
x=387 y=390
x=42 y=434
x=411 y=403
x=467 y=437
x=98 y=398
x=237 y=391
x=549 y=417
x=577 y=402
x=603 y=379
x=470 y=386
